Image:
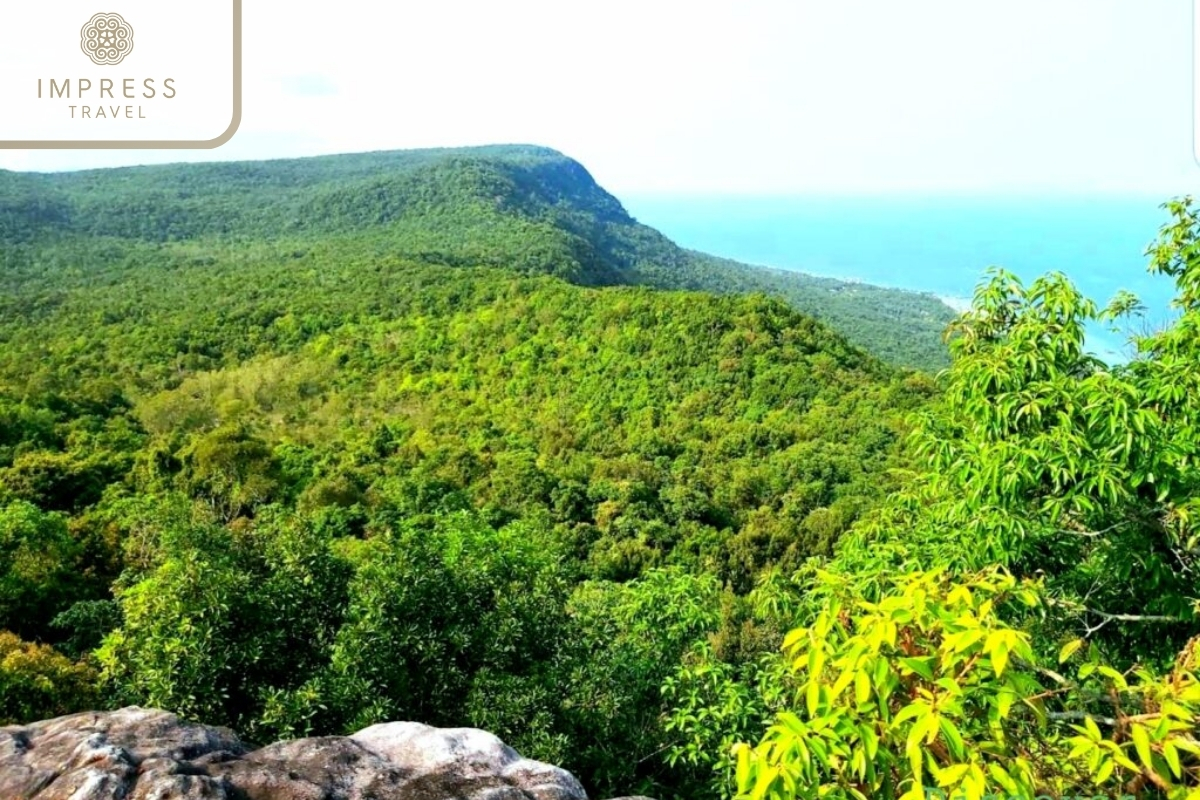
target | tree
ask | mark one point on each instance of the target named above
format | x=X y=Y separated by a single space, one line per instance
x=626 y=641
x=915 y=669
x=432 y=608
x=36 y=682
x=37 y=568
x=931 y=689
x=222 y=622
x=232 y=469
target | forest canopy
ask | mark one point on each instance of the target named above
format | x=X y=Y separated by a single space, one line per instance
x=522 y=208
x=435 y=410
x=301 y=446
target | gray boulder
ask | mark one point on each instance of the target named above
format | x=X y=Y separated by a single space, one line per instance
x=144 y=754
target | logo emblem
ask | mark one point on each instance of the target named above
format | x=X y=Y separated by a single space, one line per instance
x=106 y=39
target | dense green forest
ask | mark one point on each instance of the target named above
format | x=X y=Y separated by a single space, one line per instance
x=521 y=208
x=433 y=409
x=301 y=446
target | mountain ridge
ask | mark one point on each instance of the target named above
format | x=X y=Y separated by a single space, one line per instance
x=524 y=207
x=492 y=452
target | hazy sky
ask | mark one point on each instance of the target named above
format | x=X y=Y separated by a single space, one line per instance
x=737 y=96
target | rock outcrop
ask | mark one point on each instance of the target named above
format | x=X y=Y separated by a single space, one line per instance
x=143 y=754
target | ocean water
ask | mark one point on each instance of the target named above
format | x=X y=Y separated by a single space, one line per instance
x=939 y=245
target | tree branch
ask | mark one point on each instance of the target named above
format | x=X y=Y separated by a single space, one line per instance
x=1080 y=716
x=1133 y=617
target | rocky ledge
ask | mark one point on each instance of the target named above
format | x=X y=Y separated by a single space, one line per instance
x=144 y=754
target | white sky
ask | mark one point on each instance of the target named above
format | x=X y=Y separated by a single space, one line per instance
x=732 y=96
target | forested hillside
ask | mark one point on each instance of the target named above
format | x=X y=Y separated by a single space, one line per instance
x=517 y=207
x=298 y=447
x=1020 y=619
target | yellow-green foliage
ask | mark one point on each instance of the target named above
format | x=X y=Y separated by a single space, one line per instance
x=931 y=690
x=1050 y=517
x=37 y=682
x=1056 y=512
x=305 y=446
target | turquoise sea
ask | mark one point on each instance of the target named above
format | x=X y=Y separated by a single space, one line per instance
x=940 y=245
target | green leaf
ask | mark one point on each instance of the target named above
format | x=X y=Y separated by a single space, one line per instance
x=1004 y=701
x=841 y=683
x=952 y=775
x=1069 y=649
x=953 y=738
x=1172 y=756
x=766 y=777
x=820 y=750
x=742 y=752
x=921 y=666
x=967 y=638
x=999 y=657
x=1141 y=742
x=870 y=741
x=911 y=711
x=812 y=697
x=1117 y=678
x=793 y=638
x=1003 y=778
x=862 y=688
x=916 y=734
x=914 y=753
